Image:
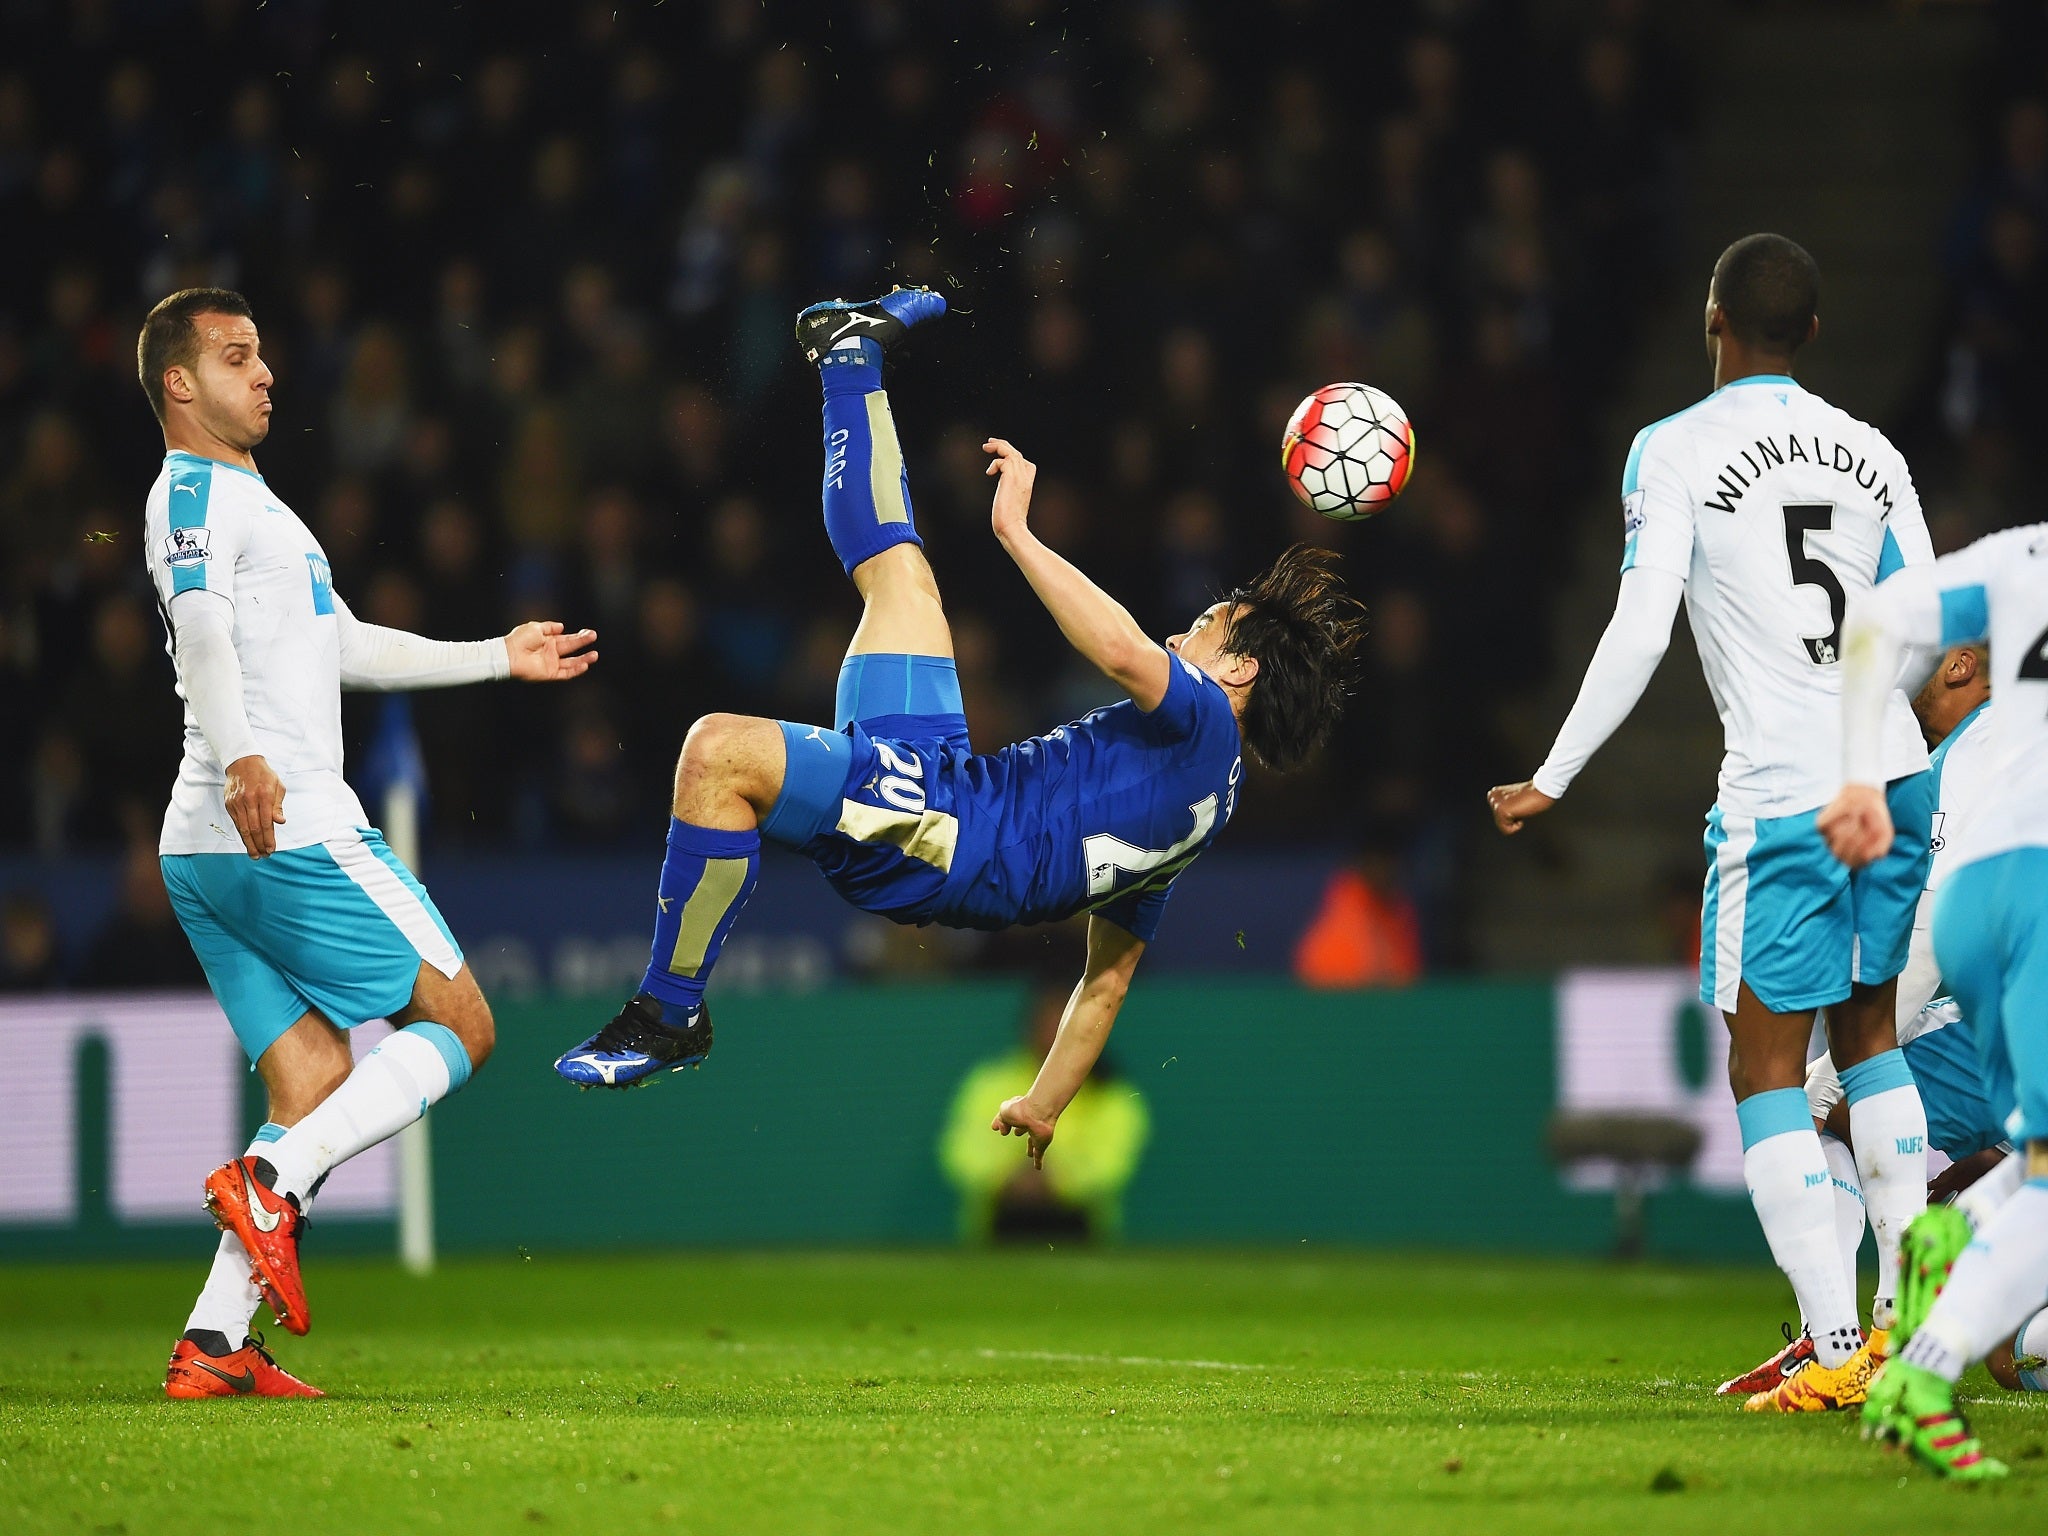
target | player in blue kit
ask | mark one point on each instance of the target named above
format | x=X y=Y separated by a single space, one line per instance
x=897 y=809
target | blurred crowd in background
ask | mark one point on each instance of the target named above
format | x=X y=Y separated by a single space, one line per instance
x=526 y=278
x=1974 y=435
x=528 y=298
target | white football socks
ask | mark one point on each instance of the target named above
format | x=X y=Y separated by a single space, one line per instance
x=227 y=1302
x=1996 y=1285
x=389 y=1089
x=1850 y=1217
x=1789 y=1184
x=1888 y=1126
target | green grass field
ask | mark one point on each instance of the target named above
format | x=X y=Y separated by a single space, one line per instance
x=905 y=1393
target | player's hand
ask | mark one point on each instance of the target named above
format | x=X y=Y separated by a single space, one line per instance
x=1957 y=1177
x=1017 y=1117
x=1513 y=804
x=542 y=653
x=255 y=801
x=1857 y=825
x=1015 y=475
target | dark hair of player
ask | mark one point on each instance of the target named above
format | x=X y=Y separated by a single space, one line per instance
x=1769 y=290
x=1302 y=627
x=170 y=337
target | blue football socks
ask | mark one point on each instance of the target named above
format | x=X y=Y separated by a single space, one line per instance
x=705 y=881
x=866 y=487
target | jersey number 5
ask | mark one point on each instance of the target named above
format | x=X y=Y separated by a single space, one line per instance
x=1810 y=571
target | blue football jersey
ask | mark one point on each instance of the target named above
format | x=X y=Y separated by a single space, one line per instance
x=1099 y=815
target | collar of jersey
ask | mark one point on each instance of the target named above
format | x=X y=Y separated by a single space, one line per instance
x=1759 y=378
x=181 y=456
x=1962 y=725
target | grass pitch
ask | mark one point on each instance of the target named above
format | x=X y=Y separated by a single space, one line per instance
x=905 y=1393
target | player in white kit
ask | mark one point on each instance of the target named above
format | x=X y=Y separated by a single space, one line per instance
x=1991 y=939
x=304 y=921
x=1766 y=509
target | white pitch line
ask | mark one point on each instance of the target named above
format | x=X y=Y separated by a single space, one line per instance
x=1066 y=1358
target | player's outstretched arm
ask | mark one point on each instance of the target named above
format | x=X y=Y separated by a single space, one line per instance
x=1113 y=954
x=375 y=659
x=1623 y=663
x=1882 y=626
x=1095 y=624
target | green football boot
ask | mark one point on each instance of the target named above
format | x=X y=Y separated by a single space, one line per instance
x=1916 y=1409
x=1934 y=1240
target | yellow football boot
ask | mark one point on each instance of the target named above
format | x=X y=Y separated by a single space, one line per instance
x=1816 y=1388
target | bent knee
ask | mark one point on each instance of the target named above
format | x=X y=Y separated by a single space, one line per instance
x=714 y=740
x=472 y=1024
x=479 y=1036
x=729 y=752
x=456 y=1003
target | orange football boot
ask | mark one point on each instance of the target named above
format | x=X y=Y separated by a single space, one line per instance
x=247 y=1372
x=268 y=1225
x=1796 y=1355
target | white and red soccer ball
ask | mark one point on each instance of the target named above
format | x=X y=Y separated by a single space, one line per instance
x=1348 y=451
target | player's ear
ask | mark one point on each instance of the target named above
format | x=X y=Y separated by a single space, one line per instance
x=1237 y=671
x=1812 y=329
x=178 y=384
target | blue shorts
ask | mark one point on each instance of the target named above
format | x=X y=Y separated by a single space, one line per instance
x=341 y=927
x=1991 y=937
x=1949 y=1072
x=853 y=798
x=1784 y=915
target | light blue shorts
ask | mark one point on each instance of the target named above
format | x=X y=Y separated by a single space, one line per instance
x=1948 y=1069
x=1991 y=937
x=341 y=927
x=1784 y=915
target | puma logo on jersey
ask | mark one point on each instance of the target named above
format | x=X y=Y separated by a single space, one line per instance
x=818 y=735
x=189 y=490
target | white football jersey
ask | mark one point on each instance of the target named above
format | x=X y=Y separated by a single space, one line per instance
x=1962 y=778
x=1775 y=508
x=215 y=527
x=1963 y=783
x=1997 y=590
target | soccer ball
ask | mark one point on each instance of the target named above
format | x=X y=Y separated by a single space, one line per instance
x=1348 y=451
